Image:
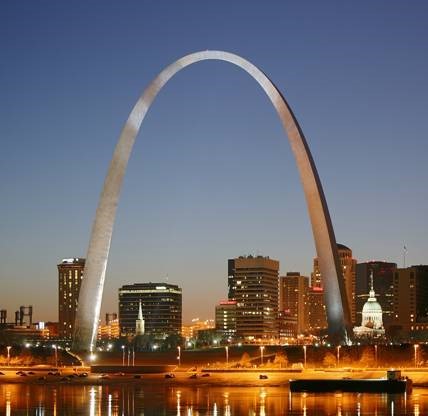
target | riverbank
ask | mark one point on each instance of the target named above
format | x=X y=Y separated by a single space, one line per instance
x=250 y=378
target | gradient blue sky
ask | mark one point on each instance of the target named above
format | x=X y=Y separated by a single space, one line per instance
x=212 y=175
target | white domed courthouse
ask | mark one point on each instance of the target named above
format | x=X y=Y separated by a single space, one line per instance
x=371 y=323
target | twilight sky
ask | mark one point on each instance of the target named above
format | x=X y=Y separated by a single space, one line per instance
x=212 y=175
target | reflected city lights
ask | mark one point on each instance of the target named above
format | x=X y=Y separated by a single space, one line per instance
x=178 y=396
x=92 y=401
x=8 y=406
x=54 y=395
x=109 y=405
x=153 y=398
x=416 y=411
x=262 y=396
x=227 y=411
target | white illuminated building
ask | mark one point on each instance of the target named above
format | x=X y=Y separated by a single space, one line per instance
x=371 y=323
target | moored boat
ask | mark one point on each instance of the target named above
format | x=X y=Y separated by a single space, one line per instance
x=394 y=383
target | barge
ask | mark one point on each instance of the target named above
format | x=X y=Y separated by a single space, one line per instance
x=393 y=383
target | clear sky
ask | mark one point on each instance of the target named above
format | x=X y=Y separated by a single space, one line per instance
x=212 y=175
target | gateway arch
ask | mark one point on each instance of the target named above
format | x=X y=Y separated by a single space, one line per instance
x=91 y=291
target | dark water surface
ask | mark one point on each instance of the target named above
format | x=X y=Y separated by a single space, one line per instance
x=20 y=399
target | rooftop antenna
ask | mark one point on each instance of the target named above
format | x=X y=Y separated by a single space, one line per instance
x=404 y=256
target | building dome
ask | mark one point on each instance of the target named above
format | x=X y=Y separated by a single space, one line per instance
x=371 y=325
x=342 y=247
x=372 y=306
x=372 y=311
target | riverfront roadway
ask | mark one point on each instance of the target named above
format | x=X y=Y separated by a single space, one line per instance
x=185 y=376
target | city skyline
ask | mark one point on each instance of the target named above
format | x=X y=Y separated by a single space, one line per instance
x=371 y=165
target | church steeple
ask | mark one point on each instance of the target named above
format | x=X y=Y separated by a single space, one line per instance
x=139 y=323
x=140 y=310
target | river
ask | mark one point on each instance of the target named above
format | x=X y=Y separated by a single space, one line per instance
x=133 y=399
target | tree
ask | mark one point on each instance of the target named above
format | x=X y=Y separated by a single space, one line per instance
x=367 y=357
x=245 y=360
x=329 y=360
x=281 y=359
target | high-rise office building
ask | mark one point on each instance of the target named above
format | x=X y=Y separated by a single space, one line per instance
x=317 y=318
x=293 y=292
x=411 y=299
x=348 y=266
x=383 y=286
x=161 y=308
x=225 y=318
x=70 y=273
x=253 y=284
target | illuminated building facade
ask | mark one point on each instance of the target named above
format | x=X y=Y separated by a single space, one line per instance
x=70 y=272
x=191 y=330
x=317 y=320
x=411 y=299
x=253 y=284
x=161 y=307
x=111 y=328
x=293 y=292
x=225 y=318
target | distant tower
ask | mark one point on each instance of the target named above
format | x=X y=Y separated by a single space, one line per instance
x=139 y=323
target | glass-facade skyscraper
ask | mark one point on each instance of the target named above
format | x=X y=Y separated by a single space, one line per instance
x=161 y=305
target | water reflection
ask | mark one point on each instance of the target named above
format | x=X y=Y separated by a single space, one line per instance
x=7 y=398
x=122 y=399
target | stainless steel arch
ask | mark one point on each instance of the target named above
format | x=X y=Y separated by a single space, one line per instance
x=93 y=282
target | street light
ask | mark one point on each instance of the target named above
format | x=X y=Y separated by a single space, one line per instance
x=416 y=346
x=261 y=354
x=123 y=355
x=179 y=356
x=338 y=355
x=129 y=355
x=56 y=354
x=133 y=357
x=375 y=354
x=304 y=356
x=8 y=354
x=227 y=355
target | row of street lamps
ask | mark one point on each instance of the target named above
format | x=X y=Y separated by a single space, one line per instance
x=262 y=347
x=415 y=347
x=129 y=355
